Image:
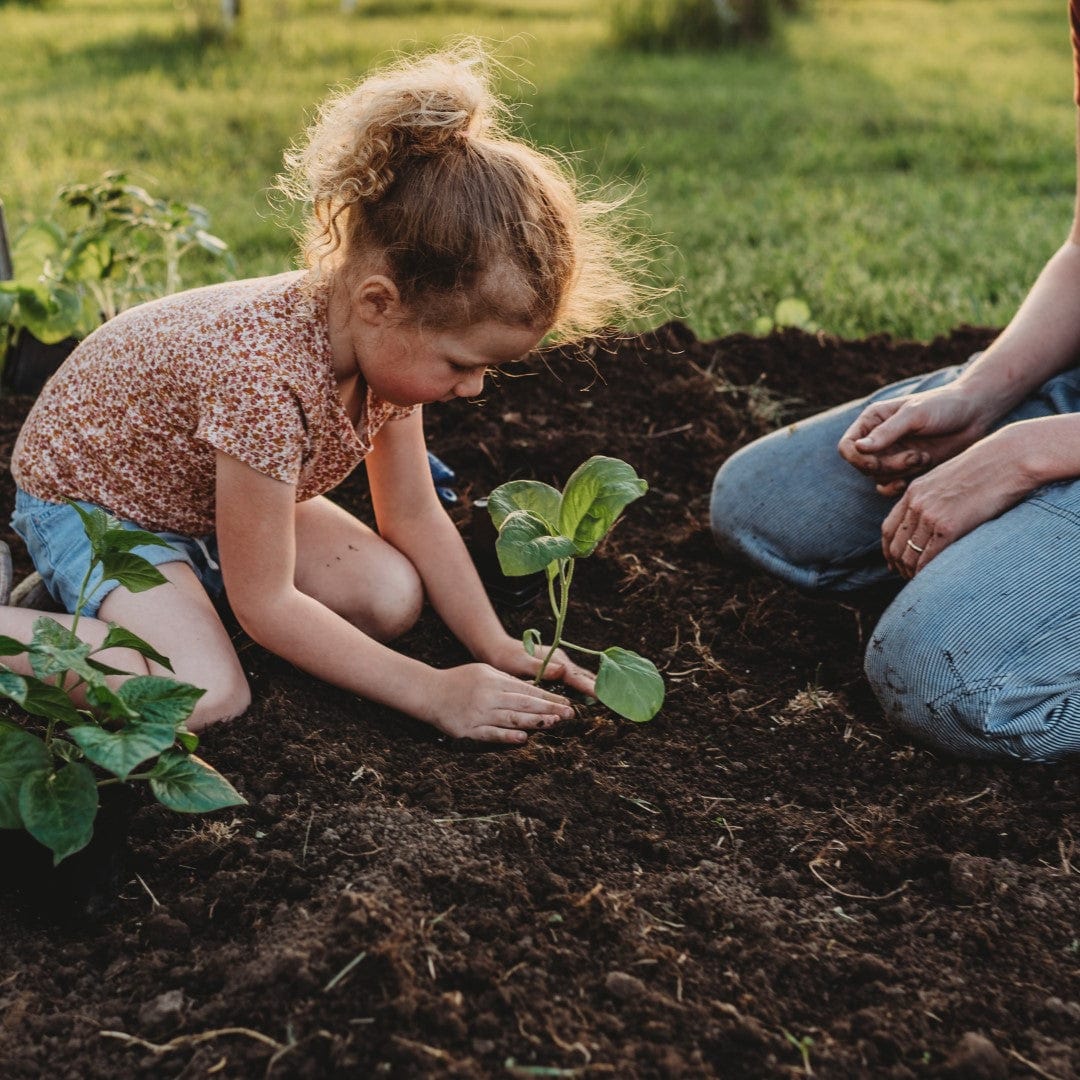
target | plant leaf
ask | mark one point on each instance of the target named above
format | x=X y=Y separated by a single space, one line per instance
x=531 y=641
x=132 y=571
x=594 y=497
x=95 y=523
x=186 y=783
x=629 y=685
x=542 y=499
x=20 y=754
x=119 y=539
x=120 y=752
x=160 y=699
x=10 y=647
x=58 y=808
x=38 y=698
x=118 y=636
x=35 y=246
x=526 y=546
x=54 y=650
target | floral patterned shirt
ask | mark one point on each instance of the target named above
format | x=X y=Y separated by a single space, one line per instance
x=134 y=417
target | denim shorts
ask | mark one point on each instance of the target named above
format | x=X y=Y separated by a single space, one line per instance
x=58 y=545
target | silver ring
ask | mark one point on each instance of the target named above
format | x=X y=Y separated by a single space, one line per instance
x=915 y=547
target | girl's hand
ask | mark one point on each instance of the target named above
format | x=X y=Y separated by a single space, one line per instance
x=477 y=701
x=510 y=655
x=894 y=440
x=947 y=503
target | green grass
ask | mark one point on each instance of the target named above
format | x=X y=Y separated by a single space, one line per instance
x=903 y=166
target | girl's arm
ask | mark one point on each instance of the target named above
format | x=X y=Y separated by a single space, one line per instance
x=411 y=518
x=257 y=541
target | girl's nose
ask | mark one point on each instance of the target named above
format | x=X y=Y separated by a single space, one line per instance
x=472 y=384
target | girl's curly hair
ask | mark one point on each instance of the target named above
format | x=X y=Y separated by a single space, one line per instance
x=414 y=167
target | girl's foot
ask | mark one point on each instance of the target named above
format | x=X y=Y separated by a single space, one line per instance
x=31 y=593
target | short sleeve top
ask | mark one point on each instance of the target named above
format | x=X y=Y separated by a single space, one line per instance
x=133 y=419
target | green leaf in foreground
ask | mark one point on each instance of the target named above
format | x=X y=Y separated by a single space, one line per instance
x=121 y=752
x=58 y=808
x=629 y=684
x=160 y=699
x=186 y=783
x=20 y=754
x=132 y=571
x=38 y=698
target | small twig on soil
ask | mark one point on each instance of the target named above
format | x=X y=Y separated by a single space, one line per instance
x=570 y=1048
x=1066 y=852
x=972 y=798
x=669 y=431
x=592 y=894
x=345 y=971
x=641 y=804
x=190 y=1040
x=1032 y=1066
x=307 y=837
x=459 y=820
x=434 y=1051
x=855 y=896
x=153 y=899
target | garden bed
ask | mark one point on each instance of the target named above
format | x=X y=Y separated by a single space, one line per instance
x=762 y=881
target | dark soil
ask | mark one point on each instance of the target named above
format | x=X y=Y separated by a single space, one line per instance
x=763 y=881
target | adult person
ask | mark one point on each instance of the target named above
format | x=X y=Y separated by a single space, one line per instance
x=965 y=483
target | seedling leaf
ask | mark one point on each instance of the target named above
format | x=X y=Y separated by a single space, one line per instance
x=159 y=699
x=20 y=754
x=629 y=685
x=54 y=650
x=542 y=499
x=121 y=751
x=118 y=636
x=10 y=647
x=595 y=495
x=132 y=571
x=185 y=783
x=58 y=808
x=526 y=546
x=531 y=641
x=38 y=698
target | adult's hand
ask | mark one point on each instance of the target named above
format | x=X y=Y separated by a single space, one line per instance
x=894 y=440
x=952 y=499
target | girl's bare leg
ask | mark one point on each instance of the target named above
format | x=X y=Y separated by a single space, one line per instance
x=179 y=620
x=348 y=567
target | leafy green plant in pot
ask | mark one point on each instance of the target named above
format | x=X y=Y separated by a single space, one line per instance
x=51 y=779
x=105 y=247
x=543 y=529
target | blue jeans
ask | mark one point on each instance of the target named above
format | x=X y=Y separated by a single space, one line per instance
x=978 y=655
x=57 y=543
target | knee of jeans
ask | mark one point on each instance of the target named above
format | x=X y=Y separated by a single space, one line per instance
x=922 y=692
x=729 y=500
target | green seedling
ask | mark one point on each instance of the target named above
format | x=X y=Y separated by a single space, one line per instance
x=49 y=784
x=541 y=528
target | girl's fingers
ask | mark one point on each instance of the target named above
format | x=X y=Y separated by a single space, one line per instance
x=553 y=706
x=489 y=733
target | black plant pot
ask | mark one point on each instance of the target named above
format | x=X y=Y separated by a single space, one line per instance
x=30 y=362
x=85 y=885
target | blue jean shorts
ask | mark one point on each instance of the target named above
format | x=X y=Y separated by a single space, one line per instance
x=58 y=545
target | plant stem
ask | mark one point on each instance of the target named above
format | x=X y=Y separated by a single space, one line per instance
x=580 y=648
x=566 y=575
x=130 y=776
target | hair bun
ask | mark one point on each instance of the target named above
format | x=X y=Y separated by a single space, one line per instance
x=416 y=107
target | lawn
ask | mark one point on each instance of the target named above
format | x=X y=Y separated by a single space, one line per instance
x=903 y=166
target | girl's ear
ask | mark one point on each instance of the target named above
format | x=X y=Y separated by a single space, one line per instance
x=377 y=301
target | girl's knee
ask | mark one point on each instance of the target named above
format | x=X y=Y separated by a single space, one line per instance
x=226 y=697
x=394 y=607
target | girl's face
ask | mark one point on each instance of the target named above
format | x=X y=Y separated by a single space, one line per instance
x=409 y=365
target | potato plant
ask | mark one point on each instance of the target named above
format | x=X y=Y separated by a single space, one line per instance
x=48 y=783
x=543 y=529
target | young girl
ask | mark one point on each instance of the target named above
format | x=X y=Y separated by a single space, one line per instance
x=438 y=249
